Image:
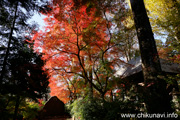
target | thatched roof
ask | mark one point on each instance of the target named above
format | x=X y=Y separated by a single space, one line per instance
x=54 y=108
x=135 y=66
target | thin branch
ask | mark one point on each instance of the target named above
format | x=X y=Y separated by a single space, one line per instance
x=68 y=72
x=107 y=24
x=98 y=80
x=65 y=51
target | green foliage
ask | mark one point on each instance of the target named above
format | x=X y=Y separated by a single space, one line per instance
x=165 y=21
x=28 y=109
x=4 y=112
x=87 y=109
x=21 y=71
x=172 y=79
x=96 y=109
x=31 y=109
x=125 y=34
x=26 y=79
x=173 y=88
x=176 y=104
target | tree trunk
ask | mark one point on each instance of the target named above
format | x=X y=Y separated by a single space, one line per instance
x=90 y=83
x=16 y=107
x=90 y=76
x=8 y=47
x=155 y=95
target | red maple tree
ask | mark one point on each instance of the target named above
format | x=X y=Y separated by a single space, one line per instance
x=78 y=49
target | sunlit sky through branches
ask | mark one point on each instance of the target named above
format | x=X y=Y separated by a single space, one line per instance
x=38 y=18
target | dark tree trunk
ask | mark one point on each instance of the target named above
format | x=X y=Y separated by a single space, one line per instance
x=8 y=47
x=90 y=84
x=16 y=107
x=155 y=94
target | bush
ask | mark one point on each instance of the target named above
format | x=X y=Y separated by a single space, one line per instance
x=96 y=109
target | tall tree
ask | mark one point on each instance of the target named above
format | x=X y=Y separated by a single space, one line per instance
x=14 y=30
x=16 y=18
x=156 y=96
x=26 y=77
x=78 y=43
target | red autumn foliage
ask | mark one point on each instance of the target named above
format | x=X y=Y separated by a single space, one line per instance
x=76 y=45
